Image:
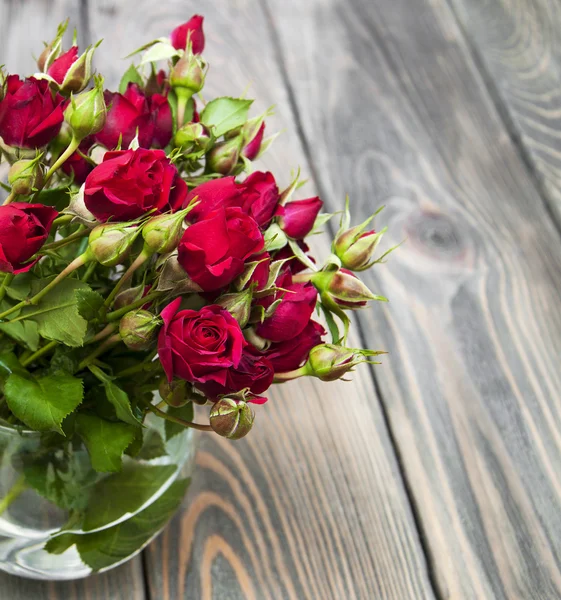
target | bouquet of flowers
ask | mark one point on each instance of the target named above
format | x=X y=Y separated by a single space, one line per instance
x=146 y=267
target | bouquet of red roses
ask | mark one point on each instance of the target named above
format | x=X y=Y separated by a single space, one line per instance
x=141 y=253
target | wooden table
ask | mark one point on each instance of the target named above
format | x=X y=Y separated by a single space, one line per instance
x=435 y=475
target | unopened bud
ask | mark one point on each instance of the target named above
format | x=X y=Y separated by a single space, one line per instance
x=139 y=329
x=162 y=233
x=78 y=74
x=52 y=50
x=355 y=248
x=341 y=288
x=297 y=218
x=174 y=393
x=191 y=137
x=87 y=112
x=329 y=362
x=224 y=157
x=26 y=176
x=129 y=296
x=252 y=133
x=231 y=418
x=110 y=243
x=238 y=305
x=188 y=73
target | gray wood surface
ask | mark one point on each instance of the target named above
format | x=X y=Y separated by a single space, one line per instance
x=395 y=112
x=518 y=45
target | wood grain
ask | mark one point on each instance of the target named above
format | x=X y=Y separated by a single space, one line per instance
x=24 y=25
x=395 y=112
x=518 y=44
x=311 y=504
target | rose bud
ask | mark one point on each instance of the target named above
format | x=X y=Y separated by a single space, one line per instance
x=30 y=115
x=224 y=157
x=86 y=112
x=162 y=233
x=130 y=183
x=174 y=393
x=291 y=354
x=355 y=248
x=329 y=362
x=24 y=228
x=232 y=419
x=188 y=75
x=214 y=250
x=110 y=243
x=238 y=305
x=192 y=137
x=139 y=329
x=71 y=72
x=192 y=31
x=26 y=176
x=129 y=296
x=252 y=133
x=297 y=218
x=342 y=289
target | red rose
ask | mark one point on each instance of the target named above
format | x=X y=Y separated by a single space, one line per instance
x=217 y=193
x=60 y=66
x=292 y=314
x=297 y=218
x=194 y=27
x=132 y=111
x=254 y=371
x=30 y=114
x=214 y=250
x=199 y=346
x=260 y=196
x=129 y=183
x=78 y=166
x=261 y=274
x=23 y=230
x=293 y=353
x=251 y=149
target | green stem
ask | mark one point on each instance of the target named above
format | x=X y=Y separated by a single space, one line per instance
x=290 y=375
x=14 y=492
x=67 y=240
x=75 y=264
x=177 y=420
x=72 y=147
x=138 y=262
x=117 y=314
x=5 y=284
x=89 y=272
x=106 y=331
x=42 y=351
x=106 y=345
x=63 y=220
x=139 y=368
x=10 y=198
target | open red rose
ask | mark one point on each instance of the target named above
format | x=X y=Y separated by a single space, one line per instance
x=254 y=371
x=194 y=29
x=199 y=346
x=293 y=353
x=214 y=250
x=129 y=183
x=260 y=196
x=292 y=314
x=134 y=111
x=217 y=193
x=60 y=66
x=30 y=114
x=23 y=230
x=297 y=218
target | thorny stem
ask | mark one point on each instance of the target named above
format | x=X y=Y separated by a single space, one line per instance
x=182 y=422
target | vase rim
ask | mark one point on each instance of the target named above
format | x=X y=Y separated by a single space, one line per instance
x=6 y=428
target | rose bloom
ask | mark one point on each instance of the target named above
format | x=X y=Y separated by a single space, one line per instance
x=193 y=28
x=260 y=196
x=211 y=195
x=199 y=346
x=254 y=371
x=293 y=353
x=23 y=230
x=130 y=183
x=134 y=111
x=30 y=114
x=292 y=314
x=213 y=251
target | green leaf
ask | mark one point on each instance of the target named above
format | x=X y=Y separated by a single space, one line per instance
x=159 y=51
x=57 y=314
x=111 y=546
x=62 y=478
x=8 y=365
x=131 y=76
x=153 y=446
x=105 y=441
x=89 y=303
x=224 y=114
x=117 y=397
x=185 y=412
x=125 y=492
x=59 y=197
x=24 y=332
x=20 y=288
x=43 y=403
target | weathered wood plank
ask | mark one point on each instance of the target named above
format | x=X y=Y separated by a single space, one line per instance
x=311 y=504
x=395 y=112
x=23 y=28
x=518 y=43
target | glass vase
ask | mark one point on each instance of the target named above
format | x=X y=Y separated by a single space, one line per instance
x=61 y=520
